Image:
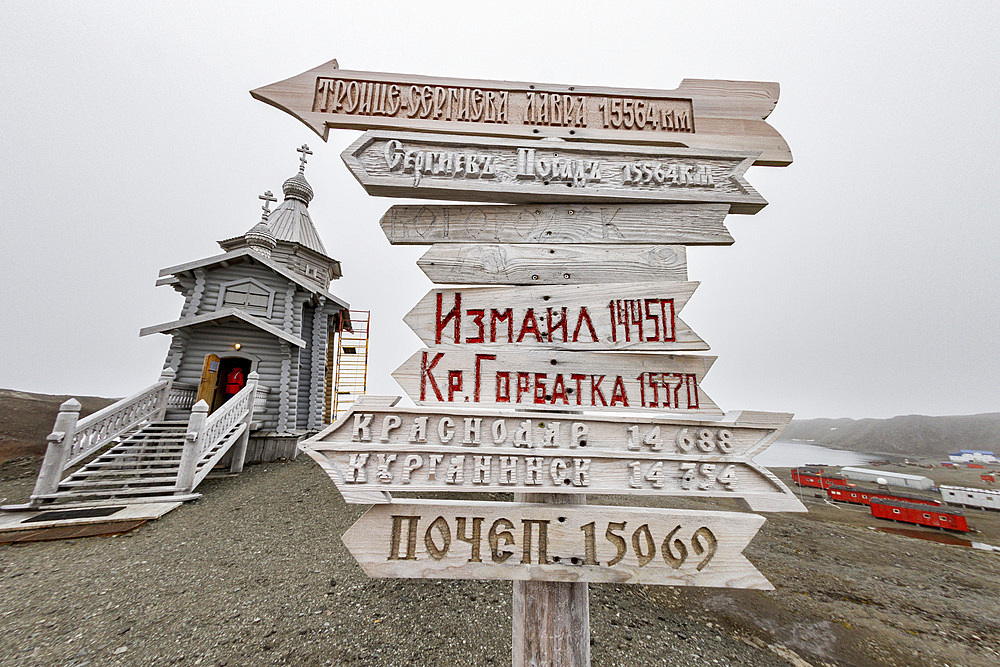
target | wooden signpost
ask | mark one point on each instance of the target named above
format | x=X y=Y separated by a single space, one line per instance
x=529 y=541
x=688 y=224
x=463 y=451
x=559 y=380
x=700 y=113
x=537 y=264
x=441 y=166
x=603 y=189
x=643 y=317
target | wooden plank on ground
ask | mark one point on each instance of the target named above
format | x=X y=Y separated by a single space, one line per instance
x=571 y=380
x=539 y=264
x=641 y=317
x=683 y=224
x=532 y=541
x=699 y=112
x=428 y=166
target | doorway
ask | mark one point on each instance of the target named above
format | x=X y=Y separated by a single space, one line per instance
x=218 y=379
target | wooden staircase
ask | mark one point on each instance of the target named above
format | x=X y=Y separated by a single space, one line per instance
x=143 y=467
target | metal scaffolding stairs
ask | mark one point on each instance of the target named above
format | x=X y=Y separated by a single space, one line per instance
x=351 y=365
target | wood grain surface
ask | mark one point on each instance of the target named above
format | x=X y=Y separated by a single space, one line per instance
x=666 y=383
x=699 y=113
x=538 y=264
x=611 y=316
x=683 y=224
x=539 y=542
x=432 y=166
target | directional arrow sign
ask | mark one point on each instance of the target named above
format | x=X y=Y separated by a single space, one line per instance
x=685 y=224
x=573 y=380
x=538 y=264
x=374 y=450
x=615 y=316
x=518 y=541
x=406 y=164
x=698 y=113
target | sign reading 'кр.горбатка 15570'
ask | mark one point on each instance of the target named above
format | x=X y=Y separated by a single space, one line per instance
x=699 y=113
x=560 y=380
x=407 y=164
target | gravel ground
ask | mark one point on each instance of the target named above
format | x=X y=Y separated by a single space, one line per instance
x=254 y=573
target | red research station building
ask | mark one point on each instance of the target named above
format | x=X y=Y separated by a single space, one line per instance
x=862 y=496
x=921 y=515
x=815 y=477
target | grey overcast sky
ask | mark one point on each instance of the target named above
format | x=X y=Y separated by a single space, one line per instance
x=866 y=288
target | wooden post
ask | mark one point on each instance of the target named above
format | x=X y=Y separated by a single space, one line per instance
x=167 y=376
x=58 y=451
x=239 y=451
x=189 y=456
x=550 y=619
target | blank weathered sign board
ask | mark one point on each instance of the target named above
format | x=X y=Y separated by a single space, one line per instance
x=441 y=166
x=528 y=541
x=701 y=113
x=685 y=224
x=640 y=317
x=541 y=264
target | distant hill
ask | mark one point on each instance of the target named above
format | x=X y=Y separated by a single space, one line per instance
x=907 y=435
x=25 y=420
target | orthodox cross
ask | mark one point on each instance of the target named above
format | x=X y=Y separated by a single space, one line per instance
x=302 y=160
x=267 y=198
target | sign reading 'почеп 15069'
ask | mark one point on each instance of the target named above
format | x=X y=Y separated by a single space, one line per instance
x=727 y=115
x=407 y=164
x=622 y=545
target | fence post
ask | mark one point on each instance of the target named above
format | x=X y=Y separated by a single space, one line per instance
x=192 y=446
x=240 y=448
x=58 y=451
x=167 y=376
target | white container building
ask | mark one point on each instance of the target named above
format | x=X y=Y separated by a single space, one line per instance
x=891 y=478
x=970 y=497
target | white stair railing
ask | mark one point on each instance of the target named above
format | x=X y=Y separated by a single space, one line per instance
x=74 y=439
x=206 y=431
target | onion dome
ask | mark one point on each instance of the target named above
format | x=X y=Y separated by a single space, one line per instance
x=297 y=187
x=261 y=239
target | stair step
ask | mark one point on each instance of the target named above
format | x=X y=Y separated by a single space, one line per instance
x=108 y=493
x=62 y=504
x=151 y=456
x=118 y=482
x=113 y=472
x=125 y=465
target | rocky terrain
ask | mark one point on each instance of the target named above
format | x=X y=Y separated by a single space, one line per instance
x=254 y=573
x=26 y=418
x=907 y=435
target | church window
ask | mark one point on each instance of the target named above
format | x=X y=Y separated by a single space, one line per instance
x=249 y=295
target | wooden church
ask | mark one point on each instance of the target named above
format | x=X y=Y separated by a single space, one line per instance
x=263 y=305
x=249 y=373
